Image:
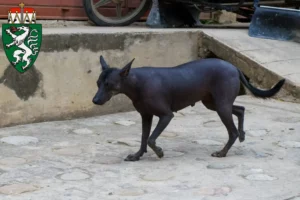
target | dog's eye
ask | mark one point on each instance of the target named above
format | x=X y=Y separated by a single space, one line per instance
x=106 y=84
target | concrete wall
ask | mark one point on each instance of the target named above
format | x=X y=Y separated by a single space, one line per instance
x=62 y=82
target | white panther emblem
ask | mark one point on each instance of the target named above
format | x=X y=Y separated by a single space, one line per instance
x=18 y=40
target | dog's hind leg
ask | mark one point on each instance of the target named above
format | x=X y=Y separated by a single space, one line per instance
x=146 y=128
x=224 y=111
x=239 y=112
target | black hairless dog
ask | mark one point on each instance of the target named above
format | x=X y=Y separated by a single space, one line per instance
x=160 y=91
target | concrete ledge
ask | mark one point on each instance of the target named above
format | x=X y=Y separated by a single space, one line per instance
x=62 y=83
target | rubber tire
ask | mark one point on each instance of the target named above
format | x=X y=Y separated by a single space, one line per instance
x=93 y=17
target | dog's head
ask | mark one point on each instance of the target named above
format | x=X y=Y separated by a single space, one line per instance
x=110 y=81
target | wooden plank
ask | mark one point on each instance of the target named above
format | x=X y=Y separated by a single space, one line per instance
x=74 y=13
x=59 y=12
x=33 y=3
x=133 y=3
x=64 y=9
x=111 y=12
x=4 y=12
x=64 y=3
x=112 y=5
x=205 y=16
x=65 y=13
x=75 y=3
x=126 y=3
x=15 y=3
x=52 y=13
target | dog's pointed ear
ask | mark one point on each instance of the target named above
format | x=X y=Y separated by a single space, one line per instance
x=125 y=71
x=104 y=65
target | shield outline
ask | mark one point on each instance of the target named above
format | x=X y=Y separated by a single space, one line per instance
x=6 y=50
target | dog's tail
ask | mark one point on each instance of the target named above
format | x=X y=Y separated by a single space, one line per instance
x=261 y=93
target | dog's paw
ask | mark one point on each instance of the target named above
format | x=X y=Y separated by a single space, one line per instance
x=242 y=136
x=218 y=154
x=132 y=157
x=159 y=152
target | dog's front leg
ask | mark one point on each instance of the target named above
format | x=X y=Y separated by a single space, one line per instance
x=162 y=124
x=146 y=128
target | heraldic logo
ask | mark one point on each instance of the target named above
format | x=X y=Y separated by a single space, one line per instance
x=22 y=37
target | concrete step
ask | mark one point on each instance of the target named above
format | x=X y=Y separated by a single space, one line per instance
x=264 y=61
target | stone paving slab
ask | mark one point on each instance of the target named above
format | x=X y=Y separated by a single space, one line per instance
x=82 y=159
x=279 y=57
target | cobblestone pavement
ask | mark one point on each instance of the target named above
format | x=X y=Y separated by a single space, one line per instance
x=83 y=158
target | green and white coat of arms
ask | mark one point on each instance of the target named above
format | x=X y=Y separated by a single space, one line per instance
x=22 y=38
